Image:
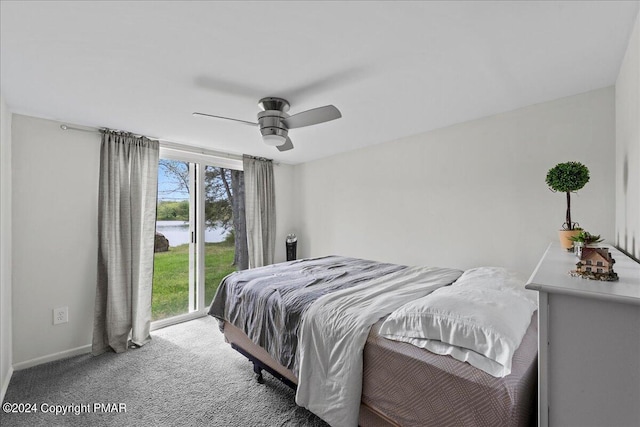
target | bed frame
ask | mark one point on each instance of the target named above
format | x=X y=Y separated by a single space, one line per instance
x=262 y=360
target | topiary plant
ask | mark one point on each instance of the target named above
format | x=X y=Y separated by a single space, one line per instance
x=568 y=178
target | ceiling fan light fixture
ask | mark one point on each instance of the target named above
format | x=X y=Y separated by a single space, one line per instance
x=274 y=140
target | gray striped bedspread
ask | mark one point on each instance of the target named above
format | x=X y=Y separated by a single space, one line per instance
x=268 y=303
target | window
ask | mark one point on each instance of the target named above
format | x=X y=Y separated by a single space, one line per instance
x=197 y=231
x=599 y=263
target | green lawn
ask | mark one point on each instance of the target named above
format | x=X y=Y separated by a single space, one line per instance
x=171 y=277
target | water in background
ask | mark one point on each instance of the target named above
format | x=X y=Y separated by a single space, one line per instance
x=177 y=232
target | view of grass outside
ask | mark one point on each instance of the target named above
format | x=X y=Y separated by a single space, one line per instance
x=171 y=277
x=175 y=228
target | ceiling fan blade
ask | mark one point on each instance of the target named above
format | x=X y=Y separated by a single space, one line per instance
x=312 y=117
x=288 y=145
x=224 y=118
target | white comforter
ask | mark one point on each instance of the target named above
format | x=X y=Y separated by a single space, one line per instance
x=335 y=329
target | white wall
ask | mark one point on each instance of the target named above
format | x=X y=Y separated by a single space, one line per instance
x=6 y=348
x=285 y=221
x=55 y=199
x=467 y=195
x=628 y=148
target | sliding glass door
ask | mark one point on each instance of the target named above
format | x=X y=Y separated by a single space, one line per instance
x=174 y=261
x=197 y=228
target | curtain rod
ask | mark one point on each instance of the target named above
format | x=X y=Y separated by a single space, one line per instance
x=263 y=159
x=169 y=144
x=99 y=130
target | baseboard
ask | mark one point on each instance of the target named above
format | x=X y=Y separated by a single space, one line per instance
x=5 y=384
x=52 y=357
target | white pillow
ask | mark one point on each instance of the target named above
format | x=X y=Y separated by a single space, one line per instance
x=477 y=360
x=489 y=322
x=496 y=278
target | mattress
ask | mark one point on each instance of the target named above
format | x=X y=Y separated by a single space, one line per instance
x=404 y=385
x=414 y=387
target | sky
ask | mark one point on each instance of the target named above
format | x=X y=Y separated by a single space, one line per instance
x=167 y=185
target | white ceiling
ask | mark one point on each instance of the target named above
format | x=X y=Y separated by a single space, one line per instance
x=393 y=68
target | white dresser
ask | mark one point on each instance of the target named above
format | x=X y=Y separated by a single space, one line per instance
x=589 y=343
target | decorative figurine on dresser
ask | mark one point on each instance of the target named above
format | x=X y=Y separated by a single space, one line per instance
x=595 y=264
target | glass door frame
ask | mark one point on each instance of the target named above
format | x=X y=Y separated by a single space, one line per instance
x=198 y=307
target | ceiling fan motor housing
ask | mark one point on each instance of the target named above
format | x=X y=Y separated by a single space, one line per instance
x=272 y=127
x=274 y=103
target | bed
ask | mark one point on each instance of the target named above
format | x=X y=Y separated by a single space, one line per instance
x=296 y=321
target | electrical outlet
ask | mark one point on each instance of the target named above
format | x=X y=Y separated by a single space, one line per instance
x=60 y=315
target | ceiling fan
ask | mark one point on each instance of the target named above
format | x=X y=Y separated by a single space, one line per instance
x=274 y=122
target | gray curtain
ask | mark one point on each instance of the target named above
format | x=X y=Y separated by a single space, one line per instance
x=126 y=231
x=260 y=210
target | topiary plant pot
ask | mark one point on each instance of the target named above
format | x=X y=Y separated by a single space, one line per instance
x=565 y=238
